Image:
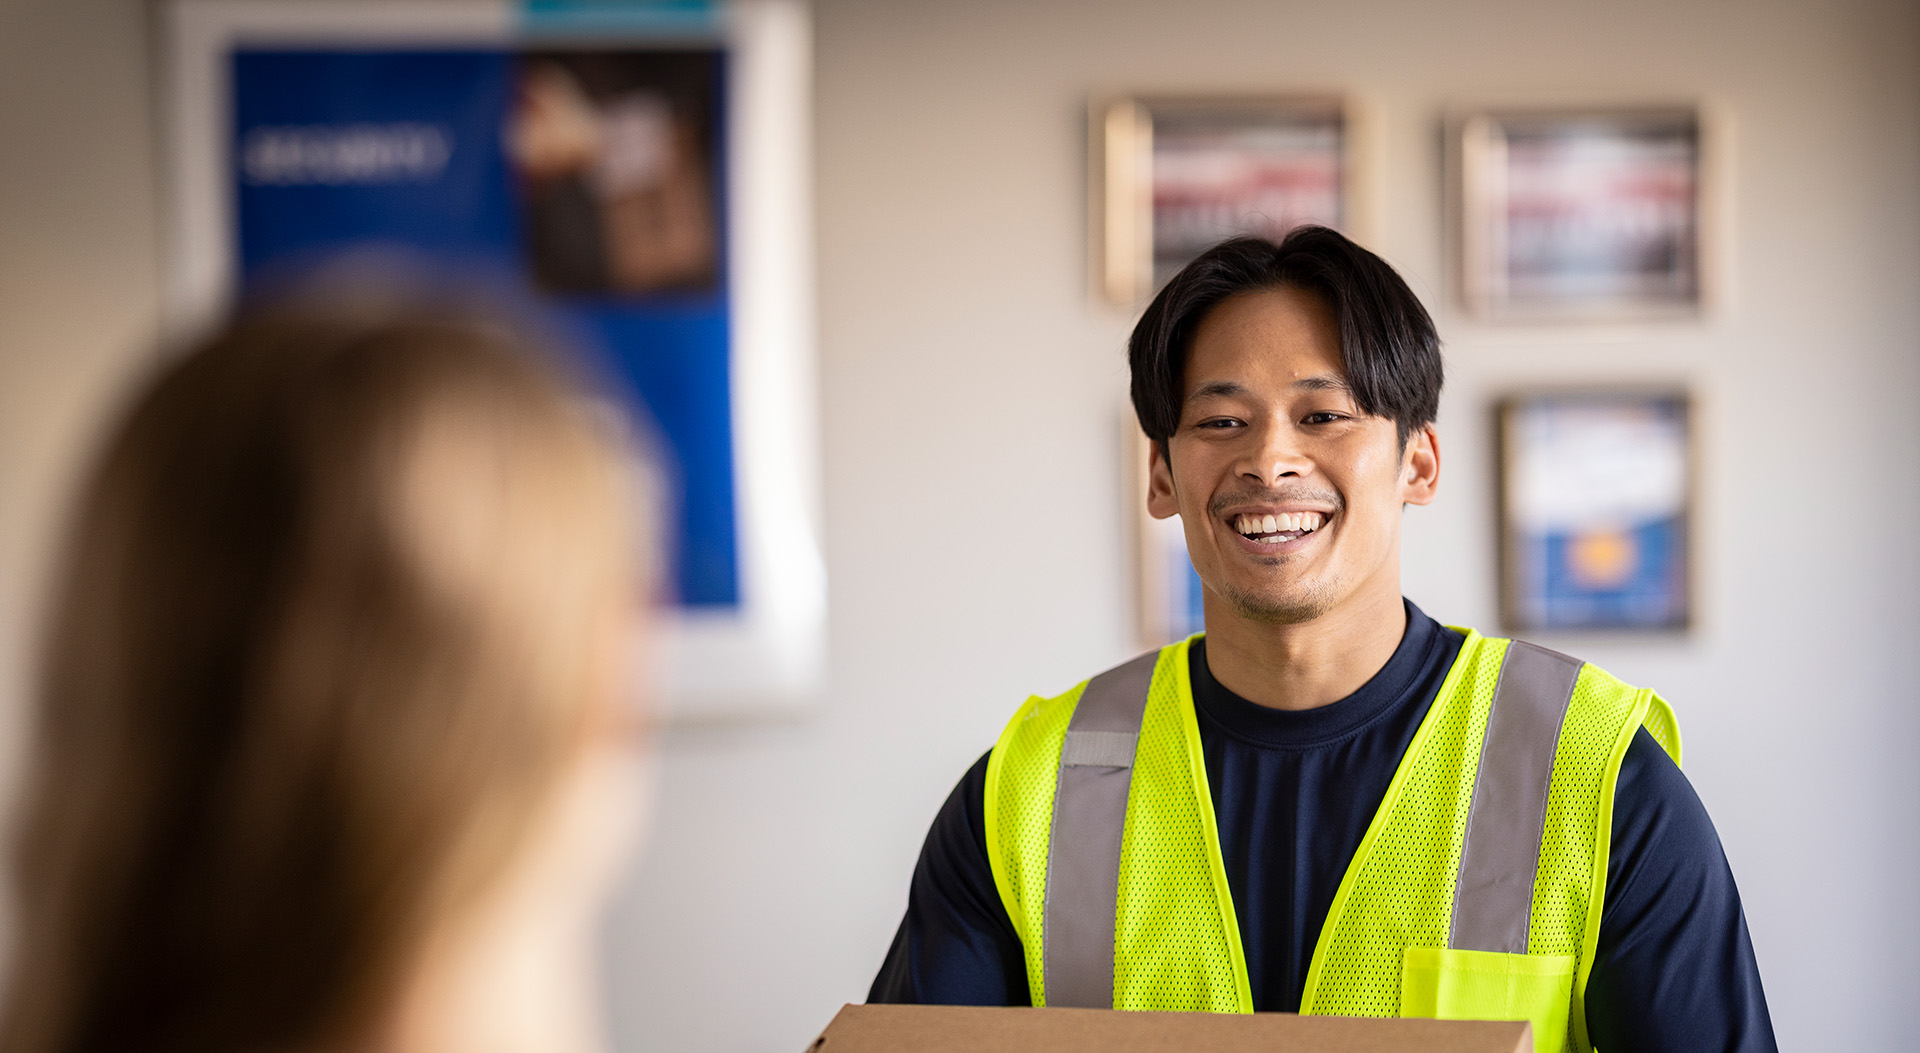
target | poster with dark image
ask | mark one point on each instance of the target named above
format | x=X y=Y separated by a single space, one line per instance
x=615 y=154
x=594 y=177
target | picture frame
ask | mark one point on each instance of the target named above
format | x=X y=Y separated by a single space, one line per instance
x=1172 y=175
x=747 y=635
x=1596 y=492
x=1167 y=592
x=1583 y=213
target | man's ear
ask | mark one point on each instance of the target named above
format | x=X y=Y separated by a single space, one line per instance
x=1161 y=501
x=1420 y=466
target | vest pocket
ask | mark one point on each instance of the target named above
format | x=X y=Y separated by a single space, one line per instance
x=1446 y=984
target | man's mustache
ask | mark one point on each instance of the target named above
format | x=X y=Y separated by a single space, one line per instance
x=1302 y=495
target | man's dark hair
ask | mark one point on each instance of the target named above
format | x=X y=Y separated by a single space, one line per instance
x=1387 y=341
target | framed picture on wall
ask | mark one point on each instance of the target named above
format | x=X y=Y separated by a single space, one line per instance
x=1173 y=176
x=1581 y=213
x=637 y=170
x=1596 y=510
x=1167 y=592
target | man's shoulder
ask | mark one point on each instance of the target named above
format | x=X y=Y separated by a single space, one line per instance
x=1662 y=836
x=1587 y=667
x=1600 y=696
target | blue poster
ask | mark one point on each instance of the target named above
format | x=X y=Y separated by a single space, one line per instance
x=593 y=177
x=1597 y=511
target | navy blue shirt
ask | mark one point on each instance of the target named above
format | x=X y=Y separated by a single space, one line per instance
x=1293 y=794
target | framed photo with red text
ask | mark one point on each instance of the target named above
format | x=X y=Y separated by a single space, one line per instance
x=1583 y=214
x=1173 y=175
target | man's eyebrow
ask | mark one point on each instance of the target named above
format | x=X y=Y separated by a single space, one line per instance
x=1323 y=382
x=1232 y=389
x=1226 y=389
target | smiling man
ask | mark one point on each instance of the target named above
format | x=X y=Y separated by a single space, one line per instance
x=1328 y=802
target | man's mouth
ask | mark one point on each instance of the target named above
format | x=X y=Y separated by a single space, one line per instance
x=1278 y=529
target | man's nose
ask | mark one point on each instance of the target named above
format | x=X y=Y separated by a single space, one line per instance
x=1274 y=454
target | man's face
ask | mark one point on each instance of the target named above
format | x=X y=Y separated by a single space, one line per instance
x=1289 y=495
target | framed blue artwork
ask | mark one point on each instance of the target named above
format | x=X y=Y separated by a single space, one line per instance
x=638 y=169
x=1169 y=598
x=1596 y=510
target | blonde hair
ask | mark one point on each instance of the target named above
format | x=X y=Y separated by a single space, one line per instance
x=340 y=606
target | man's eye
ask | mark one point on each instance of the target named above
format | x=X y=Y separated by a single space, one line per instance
x=1218 y=422
x=1323 y=418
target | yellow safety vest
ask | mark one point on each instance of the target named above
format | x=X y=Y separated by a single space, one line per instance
x=1475 y=893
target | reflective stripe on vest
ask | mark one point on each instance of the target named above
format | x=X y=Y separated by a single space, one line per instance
x=1493 y=895
x=1089 y=818
x=1476 y=891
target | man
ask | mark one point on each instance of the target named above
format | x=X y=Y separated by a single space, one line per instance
x=1329 y=802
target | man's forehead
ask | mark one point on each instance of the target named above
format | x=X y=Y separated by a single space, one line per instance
x=1266 y=339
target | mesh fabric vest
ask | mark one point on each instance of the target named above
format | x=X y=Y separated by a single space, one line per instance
x=1384 y=949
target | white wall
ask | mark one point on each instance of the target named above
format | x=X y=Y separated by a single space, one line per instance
x=79 y=292
x=976 y=544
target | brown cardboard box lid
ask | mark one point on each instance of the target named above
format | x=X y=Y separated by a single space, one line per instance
x=975 y=1029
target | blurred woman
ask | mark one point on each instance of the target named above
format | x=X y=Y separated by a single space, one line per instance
x=335 y=749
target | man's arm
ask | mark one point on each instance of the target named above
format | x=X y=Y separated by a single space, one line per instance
x=956 y=945
x=1674 y=970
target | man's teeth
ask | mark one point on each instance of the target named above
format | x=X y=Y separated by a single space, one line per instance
x=1295 y=523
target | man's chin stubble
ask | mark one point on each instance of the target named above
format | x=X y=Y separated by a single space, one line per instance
x=1309 y=604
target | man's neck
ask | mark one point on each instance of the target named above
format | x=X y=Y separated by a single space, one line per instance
x=1309 y=664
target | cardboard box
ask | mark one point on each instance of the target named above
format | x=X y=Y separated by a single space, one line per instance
x=974 y=1029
